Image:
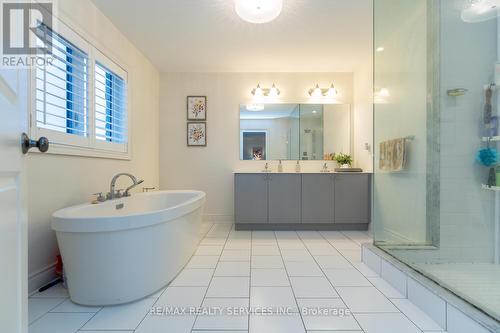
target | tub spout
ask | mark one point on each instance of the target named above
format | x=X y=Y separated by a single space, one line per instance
x=112 y=193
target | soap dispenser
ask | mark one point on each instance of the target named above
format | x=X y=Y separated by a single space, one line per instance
x=297 y=167
x=280 y=167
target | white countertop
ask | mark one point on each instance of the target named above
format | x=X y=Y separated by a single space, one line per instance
x=297 y=173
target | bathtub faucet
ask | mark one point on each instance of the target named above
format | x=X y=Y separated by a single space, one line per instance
x=114 y=194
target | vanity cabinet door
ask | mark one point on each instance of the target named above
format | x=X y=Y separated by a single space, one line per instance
x=352 y=198
x=317 y=198
x=251 y=198
x=284 y=198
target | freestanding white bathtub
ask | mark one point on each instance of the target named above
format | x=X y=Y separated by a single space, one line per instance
x=126 y=249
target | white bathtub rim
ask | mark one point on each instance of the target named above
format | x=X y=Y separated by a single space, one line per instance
x=61 y=222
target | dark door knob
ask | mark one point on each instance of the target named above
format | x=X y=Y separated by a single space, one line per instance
x=26 y=143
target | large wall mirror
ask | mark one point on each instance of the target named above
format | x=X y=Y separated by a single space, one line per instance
x=294 y=131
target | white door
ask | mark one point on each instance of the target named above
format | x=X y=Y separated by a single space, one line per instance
x=13 y=216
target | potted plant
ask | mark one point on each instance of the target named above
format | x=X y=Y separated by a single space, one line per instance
x=344 y=160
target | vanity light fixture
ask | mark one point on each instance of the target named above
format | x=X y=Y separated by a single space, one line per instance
x=318 y=92
x=258 y=11
x=272 y=92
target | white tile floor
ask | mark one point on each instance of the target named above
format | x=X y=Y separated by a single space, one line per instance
x=239 y=274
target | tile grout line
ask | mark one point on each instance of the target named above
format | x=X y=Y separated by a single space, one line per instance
x=212 y=277
x=250 y=283
x=52 y=308
x=399 y=311
x=168 y=285
x=331 y=283
x=290 y=281
x=374 y=286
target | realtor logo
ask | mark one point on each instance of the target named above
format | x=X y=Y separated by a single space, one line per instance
x=22 y=22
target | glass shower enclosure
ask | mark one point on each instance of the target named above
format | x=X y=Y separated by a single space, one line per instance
x=436 y=190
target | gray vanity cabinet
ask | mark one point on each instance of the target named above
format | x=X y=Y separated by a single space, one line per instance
x=317 y=198
x=284 y=198
x=290 y=201
x=251 y=198
x=352 y=198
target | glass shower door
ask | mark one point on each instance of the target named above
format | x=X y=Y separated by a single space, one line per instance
x=436 y=87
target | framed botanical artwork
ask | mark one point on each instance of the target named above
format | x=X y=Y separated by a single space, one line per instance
x=196 y=134
x=196 y=108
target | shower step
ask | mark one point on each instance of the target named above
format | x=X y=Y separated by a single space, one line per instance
x=452 y=313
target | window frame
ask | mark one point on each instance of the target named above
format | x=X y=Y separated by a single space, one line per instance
x=86 y=146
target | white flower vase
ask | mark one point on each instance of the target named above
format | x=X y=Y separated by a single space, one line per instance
x=345 y=166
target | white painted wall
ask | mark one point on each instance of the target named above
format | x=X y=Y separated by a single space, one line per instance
x=210 y=169
x=57 y=181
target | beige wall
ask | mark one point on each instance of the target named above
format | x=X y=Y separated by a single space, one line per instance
x=57 y=181
x=210 y=169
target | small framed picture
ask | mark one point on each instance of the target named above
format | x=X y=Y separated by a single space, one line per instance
x=196 y=108
x=196 y=134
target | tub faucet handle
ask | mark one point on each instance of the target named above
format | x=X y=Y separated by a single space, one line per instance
x=147 y=189
x=100 y=197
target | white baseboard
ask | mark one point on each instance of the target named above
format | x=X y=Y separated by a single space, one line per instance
x=40 y=278
x=218 y=218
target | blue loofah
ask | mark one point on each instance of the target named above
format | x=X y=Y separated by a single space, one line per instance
x=488 y=157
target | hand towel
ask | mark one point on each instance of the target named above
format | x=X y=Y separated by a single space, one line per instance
x=393 y=155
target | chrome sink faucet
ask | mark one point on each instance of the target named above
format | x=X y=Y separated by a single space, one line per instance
x=117 y=194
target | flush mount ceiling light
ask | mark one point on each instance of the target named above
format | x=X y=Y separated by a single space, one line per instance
x=272 y=92
x=480 y=10
x=255 y=107
x=318 y=92
x=258 y=11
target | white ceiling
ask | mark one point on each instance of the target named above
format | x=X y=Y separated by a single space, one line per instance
x=208 y=36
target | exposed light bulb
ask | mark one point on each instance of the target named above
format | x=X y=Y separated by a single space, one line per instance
x=258 y=11
x=258 y=93
x=480 y=10
x=274 y=92
x=332 y=92
x=317 y=93
x=380 y=49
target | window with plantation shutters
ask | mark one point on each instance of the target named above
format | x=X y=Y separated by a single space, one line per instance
x=79 y=99
x=110 y=105
x=62 y=87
